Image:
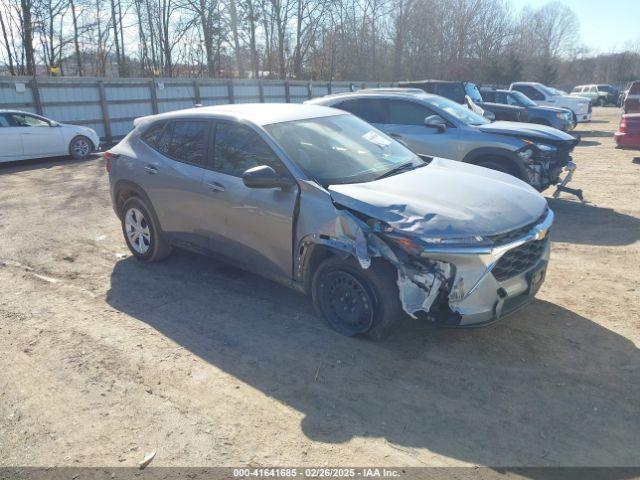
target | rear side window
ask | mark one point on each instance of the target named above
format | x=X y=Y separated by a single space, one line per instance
x=185 y=141
x=635 y=88
x=489 y=96
x=152 y=135
x=406 y=113
x=4 y=122
x=529 y=91
x=368 y=109
x=576 y=90
x=238 y=148
x=452 y=91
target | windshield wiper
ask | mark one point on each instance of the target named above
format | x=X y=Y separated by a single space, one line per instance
x=398 y=169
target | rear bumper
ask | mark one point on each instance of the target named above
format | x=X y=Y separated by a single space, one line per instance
x=629 y=140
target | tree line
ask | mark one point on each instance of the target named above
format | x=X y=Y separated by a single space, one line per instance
x=487 y=41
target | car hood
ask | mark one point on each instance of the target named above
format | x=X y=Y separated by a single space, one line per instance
x=501 y=106
x=526 y=130
x=445 y=198
x=540 y=108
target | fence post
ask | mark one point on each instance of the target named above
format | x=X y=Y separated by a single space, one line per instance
x=154 y=96
x=261 y=91
x=196 y=92
x=329 y=87
x=287 y=95
x=105 y=112
x=230 y=91
x=36 y=95
x=351 y=87
x=309 y=91
x=364 y=85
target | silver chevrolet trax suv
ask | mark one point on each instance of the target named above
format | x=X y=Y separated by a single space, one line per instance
x=323 y=202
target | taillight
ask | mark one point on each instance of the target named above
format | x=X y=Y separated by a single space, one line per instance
x=623 y=125
x=108 y=157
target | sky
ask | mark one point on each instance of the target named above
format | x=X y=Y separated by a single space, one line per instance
x=605 y=25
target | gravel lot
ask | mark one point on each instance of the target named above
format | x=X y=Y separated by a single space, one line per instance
x=104 y=359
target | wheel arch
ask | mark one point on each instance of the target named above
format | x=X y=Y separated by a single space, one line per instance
x=124 y=190
x=476 y=156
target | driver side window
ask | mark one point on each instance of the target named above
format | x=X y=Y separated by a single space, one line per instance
x=238 y=148
x=23 y=120
x=402 y=112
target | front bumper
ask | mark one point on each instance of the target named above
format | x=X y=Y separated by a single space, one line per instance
x=477 y=297
x=583 y=117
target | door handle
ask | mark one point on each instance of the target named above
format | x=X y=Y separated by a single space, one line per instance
x=216 y=187
x=150 y=169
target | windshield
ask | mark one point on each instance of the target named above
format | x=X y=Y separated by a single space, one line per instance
x=458 y=111
x=549 y=91
x=522 y=99
x=341 y=149
x=473 y=92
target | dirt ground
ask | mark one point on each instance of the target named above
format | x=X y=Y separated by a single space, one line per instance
x=104 y=359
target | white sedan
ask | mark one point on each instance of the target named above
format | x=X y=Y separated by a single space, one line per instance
x=24 y=135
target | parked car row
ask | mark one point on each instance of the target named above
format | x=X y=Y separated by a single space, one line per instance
x=601 y=94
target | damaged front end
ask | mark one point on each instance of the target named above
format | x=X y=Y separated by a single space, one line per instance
x=450 y=281
x=547 y=162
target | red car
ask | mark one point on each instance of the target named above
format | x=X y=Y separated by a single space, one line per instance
x=628 y=134
x=632 y=98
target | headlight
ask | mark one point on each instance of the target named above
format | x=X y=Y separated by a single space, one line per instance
x=544 y=148
x=416 y=245
x=525 y=153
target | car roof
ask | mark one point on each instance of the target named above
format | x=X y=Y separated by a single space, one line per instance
x=413 y=93
x=257 y=113
x=431 y=81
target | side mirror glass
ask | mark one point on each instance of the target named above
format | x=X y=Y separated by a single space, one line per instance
x=435 y=121
x=264 y=176
x=53 y=123
x=489 y=115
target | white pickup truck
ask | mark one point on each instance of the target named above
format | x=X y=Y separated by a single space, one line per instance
x=543 y=95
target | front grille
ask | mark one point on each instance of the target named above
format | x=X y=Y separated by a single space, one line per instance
x=519 y=260
x=504 y=238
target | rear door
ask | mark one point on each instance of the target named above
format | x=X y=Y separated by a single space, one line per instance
x=253 y=227
x=171 y=173
x=10 y=139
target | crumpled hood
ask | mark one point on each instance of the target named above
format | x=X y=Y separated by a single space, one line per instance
x=445 y=198
x=525 y=130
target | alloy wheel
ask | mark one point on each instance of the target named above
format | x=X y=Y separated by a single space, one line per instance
x=137 y=230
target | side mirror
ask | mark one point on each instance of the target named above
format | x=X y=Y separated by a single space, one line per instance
x=435 y=121
x=53 y=123
x=264 y=176
x=489 y=115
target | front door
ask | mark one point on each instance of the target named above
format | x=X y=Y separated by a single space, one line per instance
x=405 y=122
x=39 y=138
x=251 y=226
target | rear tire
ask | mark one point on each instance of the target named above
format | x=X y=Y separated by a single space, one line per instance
x=355 y=301
x=142 y=233
x=80 y=147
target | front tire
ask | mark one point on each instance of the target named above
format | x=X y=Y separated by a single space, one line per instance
x=355 y=301
x=80 y=147
x=142 y=233
x=497 y=164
